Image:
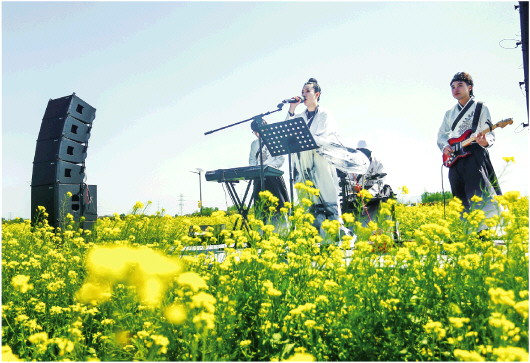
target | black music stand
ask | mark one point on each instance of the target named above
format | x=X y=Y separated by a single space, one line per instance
x=288 y=137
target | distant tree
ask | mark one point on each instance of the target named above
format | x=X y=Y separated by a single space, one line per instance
x=13 y=221
x=232 y=210
x=435 y=197
x=206 y=212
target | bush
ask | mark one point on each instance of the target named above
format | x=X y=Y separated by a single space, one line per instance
x=435 y=197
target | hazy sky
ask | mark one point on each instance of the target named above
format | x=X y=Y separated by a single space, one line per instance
x=161 y=74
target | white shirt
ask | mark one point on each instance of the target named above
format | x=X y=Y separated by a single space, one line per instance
x=268 y=159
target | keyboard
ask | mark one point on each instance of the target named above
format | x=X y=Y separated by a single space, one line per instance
x=242 y=173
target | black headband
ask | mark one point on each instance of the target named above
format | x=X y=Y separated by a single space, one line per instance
x=462 y=77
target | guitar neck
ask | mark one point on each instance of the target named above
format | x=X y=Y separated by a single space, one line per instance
x=473 y=138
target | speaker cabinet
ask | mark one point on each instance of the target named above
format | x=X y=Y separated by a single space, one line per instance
x=52 y=172
x=60 y=149
x=68 y=127
x=82 y=203
x=59 y=162
x=70 y=105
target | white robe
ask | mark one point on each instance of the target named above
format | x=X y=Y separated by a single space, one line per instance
x=465 y=123
x=319 y=165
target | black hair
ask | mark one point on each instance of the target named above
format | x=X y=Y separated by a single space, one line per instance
x=463 y=77
x=257 y=123
x=316 y=86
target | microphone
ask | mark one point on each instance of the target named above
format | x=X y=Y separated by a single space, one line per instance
x=293 y=100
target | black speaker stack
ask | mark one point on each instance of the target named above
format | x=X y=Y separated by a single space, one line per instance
x=59 y=163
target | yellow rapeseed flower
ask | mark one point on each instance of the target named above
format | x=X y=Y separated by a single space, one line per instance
x=203 y=300
x=204 y=320
x=498 y=320
x=511 y=354
x=306 y=202
x=468 y=356
x=364 y=194
x=21 y=283
x=8 y=355
x=331 y=227
x=300 y=357
x=161 y=341
x=470 y=261
x=522 y=308
x=245 y=343
x=501 y=296
x=175 y=313
x=148 y=270
x=192 y=280
x=64 y=345
x=476 y=199
x=458 y=322
x=435 y=327
x=270 y=290
x=348 y=218
x=91 y=293
x=39 y=338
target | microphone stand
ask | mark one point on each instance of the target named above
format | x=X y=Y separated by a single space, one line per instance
x=257 y=117
x=260 y=145
x=280 y=106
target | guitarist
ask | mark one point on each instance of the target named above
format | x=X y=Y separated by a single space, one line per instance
x=473 y=174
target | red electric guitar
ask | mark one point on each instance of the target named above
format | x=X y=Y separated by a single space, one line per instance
x=459 y=143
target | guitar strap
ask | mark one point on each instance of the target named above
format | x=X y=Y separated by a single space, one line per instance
x=462 y=113
x=476 y=116
x=487 y=162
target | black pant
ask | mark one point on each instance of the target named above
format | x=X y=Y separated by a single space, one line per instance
x=473 y=175
x=273 y=184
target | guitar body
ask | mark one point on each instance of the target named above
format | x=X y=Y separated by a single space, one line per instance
x=459 y=150
x=459 y=144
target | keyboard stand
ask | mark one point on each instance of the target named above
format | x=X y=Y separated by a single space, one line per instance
x=242 y=208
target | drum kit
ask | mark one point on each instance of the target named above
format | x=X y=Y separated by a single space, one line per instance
x=353 y=188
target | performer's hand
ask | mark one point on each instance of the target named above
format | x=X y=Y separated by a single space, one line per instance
x=292 y=106
x=448 y=150
x=481 y=140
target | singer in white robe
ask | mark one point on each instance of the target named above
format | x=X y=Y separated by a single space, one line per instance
x=320 y=165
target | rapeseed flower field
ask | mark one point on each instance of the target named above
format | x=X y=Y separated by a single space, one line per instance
x=133 y=289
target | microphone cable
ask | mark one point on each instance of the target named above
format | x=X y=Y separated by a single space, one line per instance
x=442 y=180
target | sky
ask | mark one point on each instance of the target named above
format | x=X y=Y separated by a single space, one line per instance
x=161 y=74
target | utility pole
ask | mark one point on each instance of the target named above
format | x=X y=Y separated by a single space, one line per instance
x=198 y=172
x=523 y=15
x=181 y=202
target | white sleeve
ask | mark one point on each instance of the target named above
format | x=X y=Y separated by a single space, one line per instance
x=324 y=129
x=252 y=159
x=276 y=161
x=444 y=132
